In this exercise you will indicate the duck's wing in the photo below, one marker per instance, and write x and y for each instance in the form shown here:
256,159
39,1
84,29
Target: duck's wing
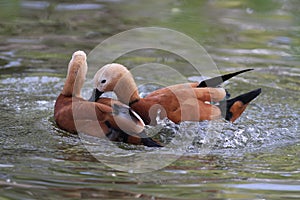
127,119
91,111
133,125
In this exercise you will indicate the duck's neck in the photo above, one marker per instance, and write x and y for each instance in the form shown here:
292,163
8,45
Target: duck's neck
126,89
74,82
71,88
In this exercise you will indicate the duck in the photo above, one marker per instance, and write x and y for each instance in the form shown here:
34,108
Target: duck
192,101
105,118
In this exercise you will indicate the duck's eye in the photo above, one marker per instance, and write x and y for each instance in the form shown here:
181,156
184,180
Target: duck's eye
103,81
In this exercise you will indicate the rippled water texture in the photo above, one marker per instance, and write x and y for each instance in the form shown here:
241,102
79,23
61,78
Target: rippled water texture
257,157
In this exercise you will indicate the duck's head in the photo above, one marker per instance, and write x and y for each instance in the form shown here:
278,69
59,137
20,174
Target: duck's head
117,78
108,76
76,75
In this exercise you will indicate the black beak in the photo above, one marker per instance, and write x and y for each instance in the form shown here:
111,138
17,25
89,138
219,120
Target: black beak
95,95
216,81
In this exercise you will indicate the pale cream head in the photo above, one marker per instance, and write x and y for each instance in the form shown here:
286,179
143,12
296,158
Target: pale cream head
117,78
108,76
76,75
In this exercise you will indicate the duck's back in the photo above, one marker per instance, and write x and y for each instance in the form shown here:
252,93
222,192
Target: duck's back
63,113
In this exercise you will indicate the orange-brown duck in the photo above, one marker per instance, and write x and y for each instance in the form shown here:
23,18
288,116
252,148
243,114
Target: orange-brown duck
107,117
181,102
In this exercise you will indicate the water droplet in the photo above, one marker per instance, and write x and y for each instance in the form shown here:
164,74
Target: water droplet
175,10
249,10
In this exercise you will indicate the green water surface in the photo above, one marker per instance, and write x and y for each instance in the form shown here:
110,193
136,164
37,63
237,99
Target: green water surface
257,157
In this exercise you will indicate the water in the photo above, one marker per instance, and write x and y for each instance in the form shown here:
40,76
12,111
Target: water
255,158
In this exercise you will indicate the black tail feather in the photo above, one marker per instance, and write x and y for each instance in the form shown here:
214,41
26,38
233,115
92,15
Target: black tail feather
216,81
244,98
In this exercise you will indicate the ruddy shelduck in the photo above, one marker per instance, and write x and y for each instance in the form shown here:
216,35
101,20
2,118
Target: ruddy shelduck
106,118
181,102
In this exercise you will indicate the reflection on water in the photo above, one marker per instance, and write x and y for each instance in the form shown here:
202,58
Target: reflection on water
255,158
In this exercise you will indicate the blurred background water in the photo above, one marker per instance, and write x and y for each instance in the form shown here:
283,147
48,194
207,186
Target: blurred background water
257,157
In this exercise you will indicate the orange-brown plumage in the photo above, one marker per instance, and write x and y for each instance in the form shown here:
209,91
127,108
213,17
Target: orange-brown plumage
182,102
177,105
107,117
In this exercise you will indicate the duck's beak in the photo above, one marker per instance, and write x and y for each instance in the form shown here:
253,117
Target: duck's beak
95,95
